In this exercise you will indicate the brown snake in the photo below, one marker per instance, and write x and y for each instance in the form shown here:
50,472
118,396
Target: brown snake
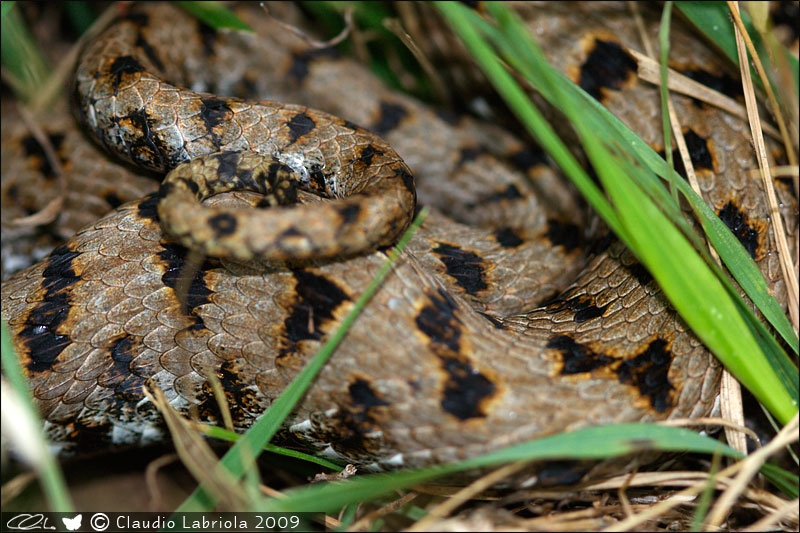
450,358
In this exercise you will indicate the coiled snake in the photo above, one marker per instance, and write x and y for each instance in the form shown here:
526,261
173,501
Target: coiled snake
450,358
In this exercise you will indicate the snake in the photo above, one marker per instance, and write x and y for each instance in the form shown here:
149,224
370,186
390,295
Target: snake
510,315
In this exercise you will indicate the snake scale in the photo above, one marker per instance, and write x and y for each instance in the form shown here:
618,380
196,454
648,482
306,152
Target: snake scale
508,317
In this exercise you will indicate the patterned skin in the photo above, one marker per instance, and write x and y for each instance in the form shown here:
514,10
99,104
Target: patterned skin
450,359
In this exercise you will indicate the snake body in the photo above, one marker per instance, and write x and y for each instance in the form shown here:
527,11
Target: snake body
450,359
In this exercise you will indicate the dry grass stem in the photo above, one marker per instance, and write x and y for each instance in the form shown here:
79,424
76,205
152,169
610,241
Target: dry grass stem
53,208
310,41
730,389
788,510
329,522
15,486
467,493
622,495
151,479
743,43
365,522
751,466
732,409
54,86
787,171
711,421
649,71
786,436
439,88
219,396
741,34
198,457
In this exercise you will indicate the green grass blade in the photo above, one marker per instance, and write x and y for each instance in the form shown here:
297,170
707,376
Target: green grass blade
268,424
5,7
519,102
786,482
713,20
522,54
591,443
52,479
80,15
744,358
689,283
231,436
21,55
663,39
215,15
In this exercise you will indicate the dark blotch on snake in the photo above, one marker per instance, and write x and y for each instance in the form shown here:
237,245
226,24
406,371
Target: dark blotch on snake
240,398
527,158
722,83
465,389
437,320
299,125
638,271
147,208
699,153
390,116
465,266
223,224
564,234
144,147
315,301
228,163
318,179
577,358
88,437
174,262
301,62
582,305
356,419
120,376
608,66
510,192
363,397
470,153
649,372
367,153
290,233
122,66
507,237
190,184
130,389
408,180
148,50
112,199
737,221
213,112
275,170
35,150
349,213
123,350
39,335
